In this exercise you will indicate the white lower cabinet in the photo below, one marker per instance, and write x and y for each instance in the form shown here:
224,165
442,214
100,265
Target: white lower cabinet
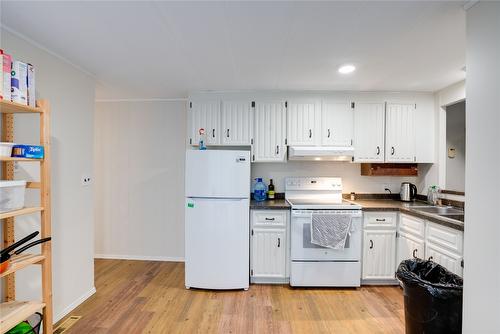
384,249
379,247
269,246
450,260
379,254
410,239
268,252
409,247
444,245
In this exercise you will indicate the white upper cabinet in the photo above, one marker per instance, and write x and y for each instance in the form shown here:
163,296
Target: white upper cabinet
400,133
237,122
337,123
269,131
206,115
369,123
303,119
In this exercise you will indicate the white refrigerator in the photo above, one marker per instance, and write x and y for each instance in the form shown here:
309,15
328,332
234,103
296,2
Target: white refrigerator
217,219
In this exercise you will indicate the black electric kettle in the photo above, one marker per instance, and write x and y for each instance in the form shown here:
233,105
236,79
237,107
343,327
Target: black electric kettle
408,192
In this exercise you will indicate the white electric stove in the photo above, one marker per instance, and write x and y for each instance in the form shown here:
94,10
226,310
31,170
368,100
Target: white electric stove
313,265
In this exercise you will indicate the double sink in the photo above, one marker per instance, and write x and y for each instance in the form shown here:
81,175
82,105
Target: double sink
443,211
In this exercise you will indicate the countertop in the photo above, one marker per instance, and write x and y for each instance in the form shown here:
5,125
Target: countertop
374,205
408,208
273,204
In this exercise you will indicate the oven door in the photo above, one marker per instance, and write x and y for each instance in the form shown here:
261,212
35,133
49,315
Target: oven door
303,250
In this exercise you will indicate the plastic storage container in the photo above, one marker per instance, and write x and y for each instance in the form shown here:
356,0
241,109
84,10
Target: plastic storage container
259,190
6,149
12,195
432,296
29,326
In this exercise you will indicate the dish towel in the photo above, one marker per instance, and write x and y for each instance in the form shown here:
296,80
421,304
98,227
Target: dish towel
330,231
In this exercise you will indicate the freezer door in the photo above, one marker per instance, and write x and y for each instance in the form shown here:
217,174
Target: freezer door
217,243
216,173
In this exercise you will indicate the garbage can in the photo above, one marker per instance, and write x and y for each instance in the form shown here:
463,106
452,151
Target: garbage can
432,297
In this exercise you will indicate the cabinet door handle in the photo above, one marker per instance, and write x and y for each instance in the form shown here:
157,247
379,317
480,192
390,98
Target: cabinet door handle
213,133
371,244
310,133
279,242
271,219
414,253
378,150
430,258
328,133
277,149
392,150
380,220
227,133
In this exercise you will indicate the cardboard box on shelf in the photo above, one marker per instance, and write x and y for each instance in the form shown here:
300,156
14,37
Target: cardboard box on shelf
19,82
31,86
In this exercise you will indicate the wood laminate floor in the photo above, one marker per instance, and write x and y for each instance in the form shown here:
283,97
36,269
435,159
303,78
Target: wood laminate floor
149,297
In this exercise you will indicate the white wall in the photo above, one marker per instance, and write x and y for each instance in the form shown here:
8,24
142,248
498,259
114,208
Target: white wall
139,163
482,228
349,172
455,138
71,95
445,97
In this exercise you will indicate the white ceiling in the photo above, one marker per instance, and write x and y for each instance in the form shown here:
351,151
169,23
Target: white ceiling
144,49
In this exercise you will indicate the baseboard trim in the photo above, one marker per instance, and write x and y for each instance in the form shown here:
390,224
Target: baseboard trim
74,305
139,257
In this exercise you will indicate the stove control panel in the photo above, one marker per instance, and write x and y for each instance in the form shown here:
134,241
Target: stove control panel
313,183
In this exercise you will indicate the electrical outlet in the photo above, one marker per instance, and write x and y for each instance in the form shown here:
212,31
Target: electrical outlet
86,180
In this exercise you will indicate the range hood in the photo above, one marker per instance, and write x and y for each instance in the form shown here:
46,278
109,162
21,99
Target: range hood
320,153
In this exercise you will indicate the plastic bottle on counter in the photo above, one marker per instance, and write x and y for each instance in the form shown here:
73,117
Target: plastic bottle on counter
259,192
202,143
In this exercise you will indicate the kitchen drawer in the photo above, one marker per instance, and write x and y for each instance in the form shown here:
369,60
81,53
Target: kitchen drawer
445,237
270,218
412,225
380,220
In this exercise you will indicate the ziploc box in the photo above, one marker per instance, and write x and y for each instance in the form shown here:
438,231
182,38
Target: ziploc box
19,82
6,63
28,151
31,86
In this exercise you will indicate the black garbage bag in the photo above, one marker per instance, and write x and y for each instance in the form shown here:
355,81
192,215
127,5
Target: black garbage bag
432,298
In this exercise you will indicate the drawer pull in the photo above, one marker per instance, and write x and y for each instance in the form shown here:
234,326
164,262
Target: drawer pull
380,220
270,219
414,255
430,258
371,244
279,242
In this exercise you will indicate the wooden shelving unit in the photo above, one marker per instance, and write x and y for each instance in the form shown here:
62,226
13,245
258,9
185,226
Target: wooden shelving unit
12,311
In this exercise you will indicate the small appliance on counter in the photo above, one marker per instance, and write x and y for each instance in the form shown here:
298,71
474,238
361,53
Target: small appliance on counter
408,192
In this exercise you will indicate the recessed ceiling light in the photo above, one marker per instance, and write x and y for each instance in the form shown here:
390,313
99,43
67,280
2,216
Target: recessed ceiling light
345,69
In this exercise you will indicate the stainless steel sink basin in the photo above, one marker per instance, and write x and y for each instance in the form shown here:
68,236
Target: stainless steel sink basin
441,210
